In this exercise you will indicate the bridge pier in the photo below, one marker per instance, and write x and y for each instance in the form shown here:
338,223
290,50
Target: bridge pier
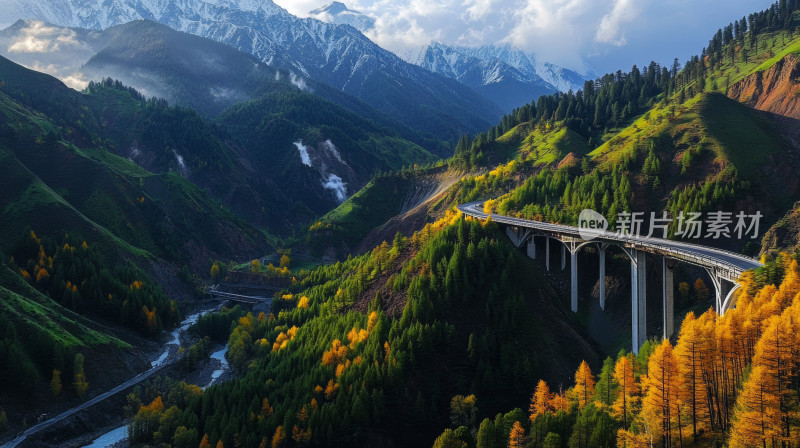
602,287
728,301
563,257
547,252
573,267
638,299
723,291
532,247
669,297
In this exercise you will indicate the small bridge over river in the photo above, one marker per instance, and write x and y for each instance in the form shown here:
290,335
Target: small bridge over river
259,302
724,267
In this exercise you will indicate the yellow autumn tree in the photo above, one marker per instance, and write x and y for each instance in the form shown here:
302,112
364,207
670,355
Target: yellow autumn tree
266,408
516,438
301,437
755,422
279,438
204,442
285,261
661,405
628,439
559,402
777,352
693,351
584,385
628,388
701,291
541,400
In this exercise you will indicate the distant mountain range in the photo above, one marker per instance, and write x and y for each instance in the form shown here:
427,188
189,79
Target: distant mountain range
337,55
507,76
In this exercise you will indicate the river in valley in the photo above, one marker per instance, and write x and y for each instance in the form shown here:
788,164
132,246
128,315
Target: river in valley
117,437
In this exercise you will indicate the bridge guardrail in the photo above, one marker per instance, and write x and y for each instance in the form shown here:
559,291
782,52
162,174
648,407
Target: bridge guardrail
689,254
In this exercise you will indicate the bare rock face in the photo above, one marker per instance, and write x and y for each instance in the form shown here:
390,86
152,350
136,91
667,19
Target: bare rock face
784,235
775,90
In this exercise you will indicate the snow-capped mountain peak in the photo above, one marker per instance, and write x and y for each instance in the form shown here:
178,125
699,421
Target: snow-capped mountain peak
339,13
506,75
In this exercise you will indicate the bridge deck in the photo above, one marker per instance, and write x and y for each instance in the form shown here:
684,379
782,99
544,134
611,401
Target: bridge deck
729,263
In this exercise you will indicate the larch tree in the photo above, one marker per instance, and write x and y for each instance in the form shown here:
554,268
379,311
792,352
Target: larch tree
516,438
661,407
776,351
541,400
541,403
583,392
690,351
755,418
701,291
279,438
628,388
627,439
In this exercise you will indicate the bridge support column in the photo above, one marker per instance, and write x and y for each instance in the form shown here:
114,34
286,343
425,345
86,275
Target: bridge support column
602,286
722,290
573,267
563,257
517,235
638,299
728,301
532,247
547,253
669,299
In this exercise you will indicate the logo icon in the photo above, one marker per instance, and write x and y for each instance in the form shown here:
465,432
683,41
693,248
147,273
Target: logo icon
591,224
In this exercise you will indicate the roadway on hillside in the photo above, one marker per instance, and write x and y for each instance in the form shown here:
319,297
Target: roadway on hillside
693,253
66,414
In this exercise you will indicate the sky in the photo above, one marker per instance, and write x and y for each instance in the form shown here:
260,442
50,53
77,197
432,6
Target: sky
604,35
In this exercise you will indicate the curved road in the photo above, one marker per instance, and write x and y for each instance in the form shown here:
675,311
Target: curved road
66,414
166,360
730,264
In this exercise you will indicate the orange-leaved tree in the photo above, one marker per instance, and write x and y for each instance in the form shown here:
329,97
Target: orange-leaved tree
541,400
583,392
692,350
661,405
628,388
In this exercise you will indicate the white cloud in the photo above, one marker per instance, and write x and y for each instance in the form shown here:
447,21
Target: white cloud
610,29
76,81
297,81
37,37
553,29
478,9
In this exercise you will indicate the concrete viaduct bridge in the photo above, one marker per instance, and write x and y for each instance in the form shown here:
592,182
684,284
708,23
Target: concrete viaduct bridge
723,267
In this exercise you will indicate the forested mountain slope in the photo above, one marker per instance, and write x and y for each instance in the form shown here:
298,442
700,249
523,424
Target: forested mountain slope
85,233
